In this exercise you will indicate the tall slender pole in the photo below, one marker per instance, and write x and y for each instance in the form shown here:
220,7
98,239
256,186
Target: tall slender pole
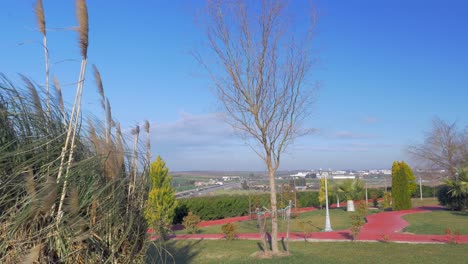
327,214
367,200
420,186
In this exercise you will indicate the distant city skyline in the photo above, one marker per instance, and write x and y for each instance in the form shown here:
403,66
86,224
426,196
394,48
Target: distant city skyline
386,69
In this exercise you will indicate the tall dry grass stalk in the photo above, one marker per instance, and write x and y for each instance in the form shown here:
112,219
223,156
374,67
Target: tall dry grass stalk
134,164
100,86
41,22
82,15
80,171
148,143
58,92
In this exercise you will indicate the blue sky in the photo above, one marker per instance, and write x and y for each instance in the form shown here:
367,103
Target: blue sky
387,68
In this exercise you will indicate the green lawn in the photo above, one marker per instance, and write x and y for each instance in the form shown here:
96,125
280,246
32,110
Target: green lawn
437,222
313,221
240,251
417,202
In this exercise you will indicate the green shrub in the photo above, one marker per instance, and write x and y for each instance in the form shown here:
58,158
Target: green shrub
311,199
387,200
229,230
446,199
225,206
427,191
358,219
403,185
191,222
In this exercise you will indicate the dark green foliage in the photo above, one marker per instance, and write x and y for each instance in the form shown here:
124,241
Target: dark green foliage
458,191
311,199
300,181
229,230
446,199
403,185
244,185
427,191
224,206
180,212
214,207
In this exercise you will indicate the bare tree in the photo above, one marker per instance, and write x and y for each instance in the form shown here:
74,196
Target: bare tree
444,147
259,74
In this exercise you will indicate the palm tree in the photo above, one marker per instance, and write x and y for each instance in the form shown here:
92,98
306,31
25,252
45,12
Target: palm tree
458,189
352,190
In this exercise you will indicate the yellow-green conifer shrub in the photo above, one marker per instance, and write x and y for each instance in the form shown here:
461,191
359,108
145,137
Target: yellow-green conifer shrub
161,204
403,185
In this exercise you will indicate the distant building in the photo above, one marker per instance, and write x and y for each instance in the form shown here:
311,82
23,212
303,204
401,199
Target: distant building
340,177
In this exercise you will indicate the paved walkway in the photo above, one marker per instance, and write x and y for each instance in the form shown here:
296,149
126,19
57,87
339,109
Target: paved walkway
385,226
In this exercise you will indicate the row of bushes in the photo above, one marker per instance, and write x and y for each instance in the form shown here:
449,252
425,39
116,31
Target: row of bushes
427,191
223,206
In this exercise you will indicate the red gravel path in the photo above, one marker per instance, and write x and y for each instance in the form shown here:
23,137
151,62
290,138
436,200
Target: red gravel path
385,226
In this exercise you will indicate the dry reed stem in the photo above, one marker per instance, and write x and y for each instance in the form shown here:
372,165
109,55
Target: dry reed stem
108,121
97,77
39,10
148,143
82,14
58,91
73,136
34,95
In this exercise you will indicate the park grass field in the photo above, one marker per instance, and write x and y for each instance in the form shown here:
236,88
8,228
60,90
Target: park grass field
313,221
417,202
437,222
241,251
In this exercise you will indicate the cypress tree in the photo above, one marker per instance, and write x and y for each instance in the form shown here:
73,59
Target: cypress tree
160,208
403,185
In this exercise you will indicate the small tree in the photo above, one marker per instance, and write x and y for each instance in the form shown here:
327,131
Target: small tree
229,231
403,185
454,193
352,190
191,222
161,204
259,68
444,147
358,219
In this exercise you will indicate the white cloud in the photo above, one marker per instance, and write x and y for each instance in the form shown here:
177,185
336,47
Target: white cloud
201,142
370,120
351,135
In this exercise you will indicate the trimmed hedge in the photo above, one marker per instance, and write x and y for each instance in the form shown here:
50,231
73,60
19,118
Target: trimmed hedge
224,206
427,191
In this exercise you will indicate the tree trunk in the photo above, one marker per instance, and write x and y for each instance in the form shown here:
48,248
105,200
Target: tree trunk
261,226
274,216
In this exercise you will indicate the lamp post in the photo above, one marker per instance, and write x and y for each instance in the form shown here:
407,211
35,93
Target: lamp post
420,186
367,199
327,214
